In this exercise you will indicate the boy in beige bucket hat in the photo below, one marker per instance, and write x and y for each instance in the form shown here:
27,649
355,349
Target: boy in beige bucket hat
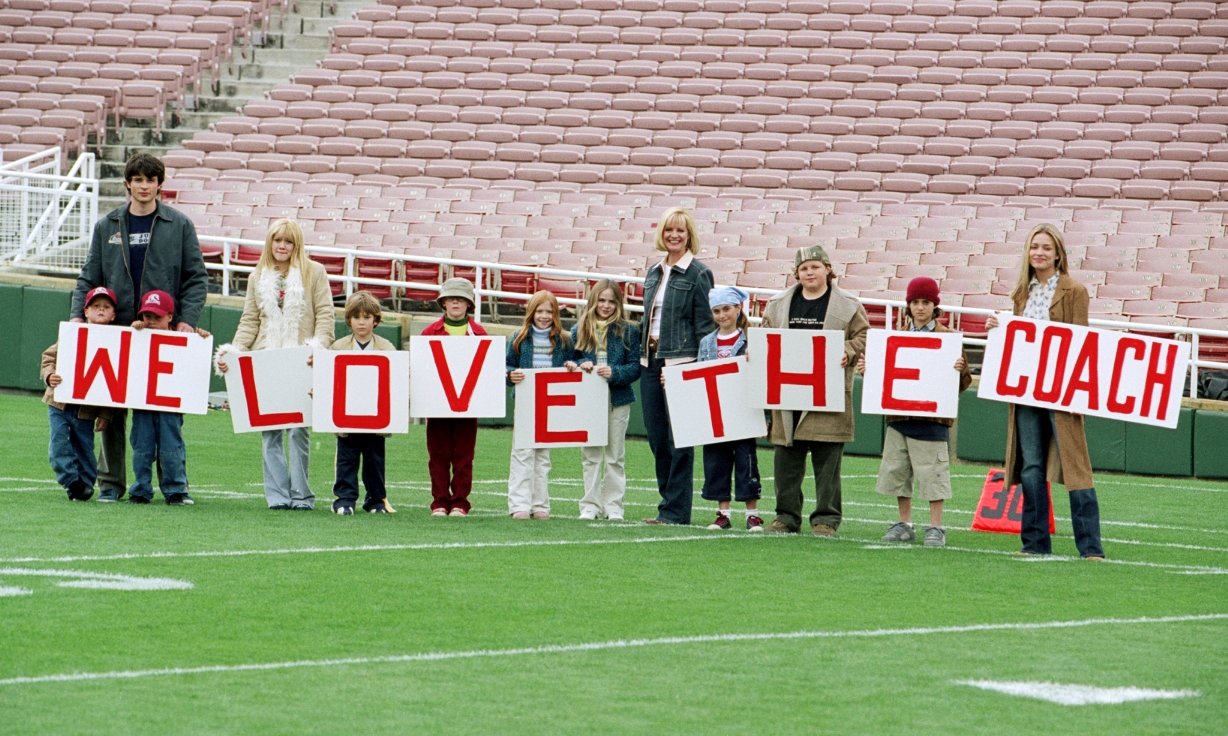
450,443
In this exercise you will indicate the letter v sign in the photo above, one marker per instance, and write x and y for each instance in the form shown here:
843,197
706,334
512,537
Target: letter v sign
459,402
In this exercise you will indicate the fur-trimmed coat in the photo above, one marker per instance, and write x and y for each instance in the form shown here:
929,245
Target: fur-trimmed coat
304,317
1069,462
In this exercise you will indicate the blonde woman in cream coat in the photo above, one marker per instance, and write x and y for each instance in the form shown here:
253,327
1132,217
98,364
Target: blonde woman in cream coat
289,303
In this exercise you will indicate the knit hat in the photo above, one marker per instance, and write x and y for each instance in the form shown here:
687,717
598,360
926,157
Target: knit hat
459,288
922,287
157,302
722,295
810,253
98,291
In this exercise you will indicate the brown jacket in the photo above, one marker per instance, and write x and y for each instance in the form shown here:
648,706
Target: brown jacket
844,313
965,380
1069,462
46,368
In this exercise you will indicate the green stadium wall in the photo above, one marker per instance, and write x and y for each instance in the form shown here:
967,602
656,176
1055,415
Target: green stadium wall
1194,448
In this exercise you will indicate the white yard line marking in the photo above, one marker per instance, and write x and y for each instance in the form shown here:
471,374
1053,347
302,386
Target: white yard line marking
98,580
381,548
1062,694
597,646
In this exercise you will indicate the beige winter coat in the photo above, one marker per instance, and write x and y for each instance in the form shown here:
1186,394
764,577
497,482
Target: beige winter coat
1068,462
306,312
844,313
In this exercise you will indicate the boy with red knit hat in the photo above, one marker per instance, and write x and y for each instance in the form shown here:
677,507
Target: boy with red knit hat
915,448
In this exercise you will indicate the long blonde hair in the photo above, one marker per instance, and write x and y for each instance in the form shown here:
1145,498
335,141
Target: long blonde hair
1020,292
290,230
586,330
671,214
558,338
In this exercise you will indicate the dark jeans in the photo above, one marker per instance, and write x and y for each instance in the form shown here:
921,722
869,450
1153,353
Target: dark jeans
790,468
1035,430
157,436
72,447
738,459
1034,427
369,449
674,465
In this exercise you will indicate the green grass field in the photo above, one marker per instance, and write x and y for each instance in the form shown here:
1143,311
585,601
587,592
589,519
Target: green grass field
256,622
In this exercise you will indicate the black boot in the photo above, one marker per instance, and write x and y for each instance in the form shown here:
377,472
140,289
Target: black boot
1085,521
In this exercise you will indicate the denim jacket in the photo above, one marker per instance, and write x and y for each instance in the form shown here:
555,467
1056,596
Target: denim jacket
523,358
686,315
623,357
707,346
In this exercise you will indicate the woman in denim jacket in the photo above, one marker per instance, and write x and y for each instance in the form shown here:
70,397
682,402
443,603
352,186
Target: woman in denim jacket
676,316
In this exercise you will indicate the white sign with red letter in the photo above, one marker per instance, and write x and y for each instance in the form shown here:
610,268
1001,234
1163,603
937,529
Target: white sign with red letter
796,369
269,389
1083,370
911,374
159,370
709,402
360,391
457,376
560,408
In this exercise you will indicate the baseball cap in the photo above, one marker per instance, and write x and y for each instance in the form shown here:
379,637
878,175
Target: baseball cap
157,302
98,291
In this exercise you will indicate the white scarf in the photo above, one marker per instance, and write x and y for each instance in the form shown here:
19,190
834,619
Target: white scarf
281,325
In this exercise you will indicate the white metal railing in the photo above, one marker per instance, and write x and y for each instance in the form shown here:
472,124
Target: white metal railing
46,217
487,293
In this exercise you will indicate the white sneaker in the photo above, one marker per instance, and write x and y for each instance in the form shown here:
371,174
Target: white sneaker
439,512
588,515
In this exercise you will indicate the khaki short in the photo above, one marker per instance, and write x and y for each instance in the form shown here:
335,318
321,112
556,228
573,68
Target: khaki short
905,460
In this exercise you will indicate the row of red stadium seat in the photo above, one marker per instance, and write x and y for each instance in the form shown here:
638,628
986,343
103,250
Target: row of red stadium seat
913,138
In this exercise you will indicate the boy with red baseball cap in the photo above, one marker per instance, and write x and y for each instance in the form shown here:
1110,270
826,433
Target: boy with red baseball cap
71,449
158,434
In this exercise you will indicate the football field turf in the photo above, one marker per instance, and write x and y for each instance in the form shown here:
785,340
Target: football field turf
227,618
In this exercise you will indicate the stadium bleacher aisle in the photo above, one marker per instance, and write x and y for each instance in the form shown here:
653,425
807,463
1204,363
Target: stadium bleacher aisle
918,137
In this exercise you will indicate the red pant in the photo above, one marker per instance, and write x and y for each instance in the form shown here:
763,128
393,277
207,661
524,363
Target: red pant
449,445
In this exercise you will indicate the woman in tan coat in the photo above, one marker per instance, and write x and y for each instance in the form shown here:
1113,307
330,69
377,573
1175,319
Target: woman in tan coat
1043,444
288,304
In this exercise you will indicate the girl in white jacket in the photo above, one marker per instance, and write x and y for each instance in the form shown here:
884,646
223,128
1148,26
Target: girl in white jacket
288,304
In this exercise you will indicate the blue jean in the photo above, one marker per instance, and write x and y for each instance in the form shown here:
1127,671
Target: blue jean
674,465
287,484
71,449
158,435
1034,428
